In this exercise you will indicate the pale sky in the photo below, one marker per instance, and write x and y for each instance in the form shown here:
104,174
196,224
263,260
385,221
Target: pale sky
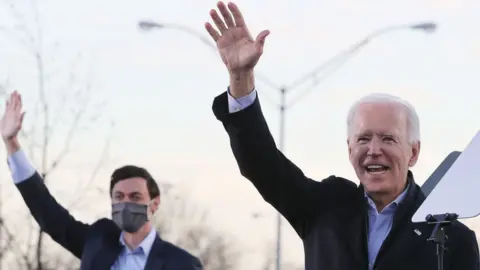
160,86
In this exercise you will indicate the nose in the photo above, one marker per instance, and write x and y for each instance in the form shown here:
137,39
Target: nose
374,148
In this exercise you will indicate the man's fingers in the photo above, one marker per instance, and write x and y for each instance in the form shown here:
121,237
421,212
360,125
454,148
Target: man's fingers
13,101
260,40
218,21
20,120
16,101
20,102
212,32
237,15
226,15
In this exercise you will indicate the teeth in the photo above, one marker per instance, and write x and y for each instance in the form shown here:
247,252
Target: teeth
374,166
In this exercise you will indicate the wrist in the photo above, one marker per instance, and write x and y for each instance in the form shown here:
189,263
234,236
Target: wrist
241,82
241,73
12,145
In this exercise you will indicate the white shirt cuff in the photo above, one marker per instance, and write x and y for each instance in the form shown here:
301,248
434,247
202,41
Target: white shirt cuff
238,104
20,167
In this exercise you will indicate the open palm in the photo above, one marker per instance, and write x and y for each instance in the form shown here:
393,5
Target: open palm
239,51
12,119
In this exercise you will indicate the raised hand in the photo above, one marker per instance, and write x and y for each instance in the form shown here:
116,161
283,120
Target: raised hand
239,51
12,119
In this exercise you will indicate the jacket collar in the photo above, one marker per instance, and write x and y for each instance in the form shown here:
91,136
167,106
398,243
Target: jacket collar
408,195
113,247
400,236
146,245
156,257
356,221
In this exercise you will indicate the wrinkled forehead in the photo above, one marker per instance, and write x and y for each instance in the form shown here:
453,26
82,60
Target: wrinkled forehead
380,118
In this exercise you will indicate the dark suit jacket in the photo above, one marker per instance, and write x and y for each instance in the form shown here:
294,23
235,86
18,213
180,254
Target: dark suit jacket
331,216
97,245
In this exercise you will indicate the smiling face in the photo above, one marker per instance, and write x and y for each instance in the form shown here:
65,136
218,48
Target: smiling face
380,151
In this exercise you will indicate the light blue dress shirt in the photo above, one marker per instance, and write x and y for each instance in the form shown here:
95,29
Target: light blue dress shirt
21,170
135,259
380,224
235,105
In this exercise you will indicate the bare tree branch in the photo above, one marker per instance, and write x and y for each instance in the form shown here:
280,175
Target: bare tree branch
269,261
98,166
185,224
47,121
15,246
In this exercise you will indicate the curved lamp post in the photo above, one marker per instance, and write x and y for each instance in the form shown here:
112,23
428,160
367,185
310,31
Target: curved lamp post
330,66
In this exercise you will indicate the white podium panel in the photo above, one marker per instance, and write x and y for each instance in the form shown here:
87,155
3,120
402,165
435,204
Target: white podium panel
439,172
458,191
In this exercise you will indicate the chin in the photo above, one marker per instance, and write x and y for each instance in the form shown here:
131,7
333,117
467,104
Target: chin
375,183
376,189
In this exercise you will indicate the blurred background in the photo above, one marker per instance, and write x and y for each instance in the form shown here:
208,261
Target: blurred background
109,83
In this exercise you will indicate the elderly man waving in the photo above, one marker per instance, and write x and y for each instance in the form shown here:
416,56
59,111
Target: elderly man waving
343,227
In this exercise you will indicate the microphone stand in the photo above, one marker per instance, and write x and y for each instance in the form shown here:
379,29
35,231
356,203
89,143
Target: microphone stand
439,236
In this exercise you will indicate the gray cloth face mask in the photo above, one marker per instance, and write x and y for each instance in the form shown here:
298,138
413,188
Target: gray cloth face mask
129,217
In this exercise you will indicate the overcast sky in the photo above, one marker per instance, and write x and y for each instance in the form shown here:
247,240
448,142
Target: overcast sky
159,88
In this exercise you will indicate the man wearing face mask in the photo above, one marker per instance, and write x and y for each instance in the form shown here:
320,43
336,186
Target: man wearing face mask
127,242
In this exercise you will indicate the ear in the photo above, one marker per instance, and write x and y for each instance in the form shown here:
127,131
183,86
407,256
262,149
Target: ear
415,154
155,204
349,150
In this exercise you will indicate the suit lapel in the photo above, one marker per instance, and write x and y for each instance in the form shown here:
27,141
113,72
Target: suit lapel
106,257
404,237
404,244
155,259
111,249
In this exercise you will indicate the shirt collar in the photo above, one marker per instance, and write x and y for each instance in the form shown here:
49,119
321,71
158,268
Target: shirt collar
395,202
145,245
400,198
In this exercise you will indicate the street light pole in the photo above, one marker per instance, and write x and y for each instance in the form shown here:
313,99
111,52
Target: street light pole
281,147
151,25
337,61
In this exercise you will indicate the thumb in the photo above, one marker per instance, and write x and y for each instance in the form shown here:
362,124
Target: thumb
260,40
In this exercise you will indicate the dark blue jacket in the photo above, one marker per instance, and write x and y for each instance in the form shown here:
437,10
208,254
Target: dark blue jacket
97,245
330,216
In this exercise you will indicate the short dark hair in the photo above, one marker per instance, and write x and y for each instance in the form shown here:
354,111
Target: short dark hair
130,171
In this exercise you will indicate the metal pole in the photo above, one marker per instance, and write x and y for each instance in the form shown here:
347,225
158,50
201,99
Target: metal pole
281,140
344,56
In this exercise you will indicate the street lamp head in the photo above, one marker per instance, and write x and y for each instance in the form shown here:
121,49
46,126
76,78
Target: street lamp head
148,25
427,27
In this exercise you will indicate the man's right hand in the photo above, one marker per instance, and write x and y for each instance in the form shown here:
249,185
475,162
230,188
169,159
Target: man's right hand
239,51
11,122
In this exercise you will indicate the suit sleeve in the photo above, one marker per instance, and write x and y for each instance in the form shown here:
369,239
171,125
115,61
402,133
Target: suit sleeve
197,265
52,218
280,182
465,254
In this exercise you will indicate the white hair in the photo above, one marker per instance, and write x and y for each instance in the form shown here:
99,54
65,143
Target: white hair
412,117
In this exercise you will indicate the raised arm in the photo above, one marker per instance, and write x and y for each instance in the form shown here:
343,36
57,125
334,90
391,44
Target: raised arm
49,214
281,183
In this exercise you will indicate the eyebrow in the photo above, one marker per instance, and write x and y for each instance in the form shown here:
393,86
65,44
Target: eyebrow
129,194
370,133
